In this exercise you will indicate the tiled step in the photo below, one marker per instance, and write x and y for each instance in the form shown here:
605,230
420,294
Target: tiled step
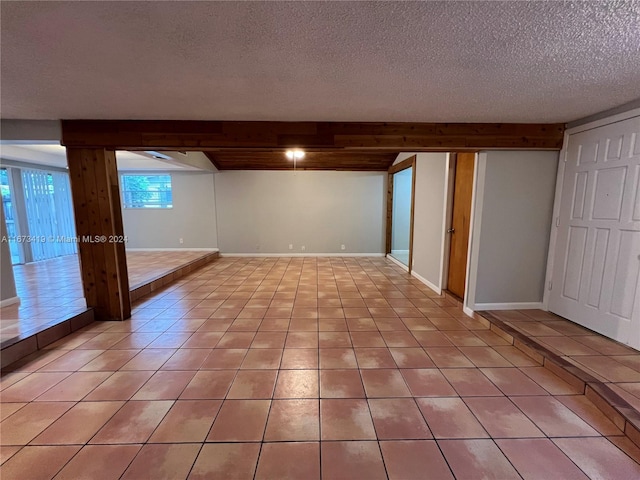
149,286
16,348
618,410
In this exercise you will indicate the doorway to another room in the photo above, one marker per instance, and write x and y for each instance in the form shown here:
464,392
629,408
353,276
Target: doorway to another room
400,212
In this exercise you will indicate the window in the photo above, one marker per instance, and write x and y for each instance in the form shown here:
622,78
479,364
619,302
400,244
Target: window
146,191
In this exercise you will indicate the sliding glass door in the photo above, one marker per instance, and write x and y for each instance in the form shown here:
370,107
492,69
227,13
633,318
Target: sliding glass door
49,211
11,216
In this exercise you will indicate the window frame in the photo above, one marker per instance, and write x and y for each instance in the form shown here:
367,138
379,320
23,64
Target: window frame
146,206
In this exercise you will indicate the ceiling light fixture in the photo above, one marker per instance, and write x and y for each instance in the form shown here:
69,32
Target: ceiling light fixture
295,154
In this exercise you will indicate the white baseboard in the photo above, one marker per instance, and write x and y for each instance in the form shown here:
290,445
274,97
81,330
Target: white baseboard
467,311
509,306
427,283
9,301
212,250
398,263
298,255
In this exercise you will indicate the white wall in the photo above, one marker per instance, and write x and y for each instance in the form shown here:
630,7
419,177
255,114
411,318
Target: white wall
512,221
192,218
429,217
192,159
265,211
401,216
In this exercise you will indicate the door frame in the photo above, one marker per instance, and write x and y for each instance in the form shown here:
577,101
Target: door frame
393,169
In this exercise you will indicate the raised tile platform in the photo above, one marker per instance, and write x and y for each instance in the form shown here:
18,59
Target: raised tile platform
598,389
149,285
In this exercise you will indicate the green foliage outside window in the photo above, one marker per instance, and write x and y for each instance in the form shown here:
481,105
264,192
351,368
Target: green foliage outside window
147,191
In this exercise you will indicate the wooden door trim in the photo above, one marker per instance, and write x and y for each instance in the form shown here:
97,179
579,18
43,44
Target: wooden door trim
403,165
389,213
413,204
398,167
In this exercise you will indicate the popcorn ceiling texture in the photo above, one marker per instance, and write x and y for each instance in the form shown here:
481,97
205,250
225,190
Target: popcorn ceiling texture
342,61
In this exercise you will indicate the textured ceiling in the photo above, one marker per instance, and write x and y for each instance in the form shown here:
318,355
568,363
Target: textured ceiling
343,61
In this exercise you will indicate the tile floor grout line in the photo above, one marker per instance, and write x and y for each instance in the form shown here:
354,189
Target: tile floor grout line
195,458
319,384
509,460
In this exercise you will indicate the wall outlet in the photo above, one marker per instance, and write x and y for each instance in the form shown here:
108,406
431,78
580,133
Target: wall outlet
303,248
342,247
182,240
291,246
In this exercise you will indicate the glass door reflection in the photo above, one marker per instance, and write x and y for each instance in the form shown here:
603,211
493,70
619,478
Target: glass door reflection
401,215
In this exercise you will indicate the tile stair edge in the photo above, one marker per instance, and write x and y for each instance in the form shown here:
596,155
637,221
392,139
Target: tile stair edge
614,407
141,290
12,352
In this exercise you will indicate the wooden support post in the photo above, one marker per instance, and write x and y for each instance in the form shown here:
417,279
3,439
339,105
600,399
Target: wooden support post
98,216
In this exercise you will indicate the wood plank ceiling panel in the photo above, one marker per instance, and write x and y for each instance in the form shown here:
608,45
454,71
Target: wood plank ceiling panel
313,160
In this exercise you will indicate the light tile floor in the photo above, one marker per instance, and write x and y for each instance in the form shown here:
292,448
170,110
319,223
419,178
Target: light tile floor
51,291
305,368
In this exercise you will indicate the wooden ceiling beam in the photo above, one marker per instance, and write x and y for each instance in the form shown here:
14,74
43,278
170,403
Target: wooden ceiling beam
330,136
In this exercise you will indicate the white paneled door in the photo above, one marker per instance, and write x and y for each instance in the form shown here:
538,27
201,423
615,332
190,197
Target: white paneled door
596,263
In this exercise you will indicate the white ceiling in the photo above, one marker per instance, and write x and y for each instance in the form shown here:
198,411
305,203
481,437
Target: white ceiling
55,156
517,61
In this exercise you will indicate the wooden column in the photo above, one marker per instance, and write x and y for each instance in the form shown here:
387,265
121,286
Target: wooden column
98,216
